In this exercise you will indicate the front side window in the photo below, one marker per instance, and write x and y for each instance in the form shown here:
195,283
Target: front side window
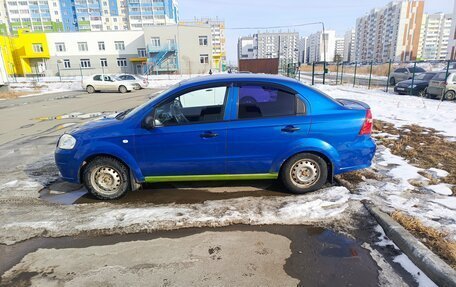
97,78
262,101
199,106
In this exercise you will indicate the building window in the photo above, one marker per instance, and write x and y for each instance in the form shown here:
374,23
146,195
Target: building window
66,63
203,40
103,62
121,62
85,63
155,41
204,59
60,47
101,46
82,46
142,52
37,48
120,45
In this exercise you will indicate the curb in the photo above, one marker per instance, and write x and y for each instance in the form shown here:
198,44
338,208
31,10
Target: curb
434,267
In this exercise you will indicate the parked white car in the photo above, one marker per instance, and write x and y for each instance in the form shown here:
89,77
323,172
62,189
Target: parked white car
142,81
100,82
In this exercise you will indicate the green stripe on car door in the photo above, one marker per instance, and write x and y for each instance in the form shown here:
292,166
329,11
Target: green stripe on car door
203,177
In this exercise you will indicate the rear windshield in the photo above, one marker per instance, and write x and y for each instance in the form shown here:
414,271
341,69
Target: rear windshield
417,70
440,77
425,76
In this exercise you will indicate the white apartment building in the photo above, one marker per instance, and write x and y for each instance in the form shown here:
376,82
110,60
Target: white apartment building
390,33
435,33
349,46
451,54
302,47
247,48
218,39
322,45
339,50
282,45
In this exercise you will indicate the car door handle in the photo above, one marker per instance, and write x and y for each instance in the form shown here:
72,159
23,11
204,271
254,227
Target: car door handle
208,135
290,129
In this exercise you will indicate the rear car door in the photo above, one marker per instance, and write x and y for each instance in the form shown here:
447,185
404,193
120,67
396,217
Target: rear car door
189,137
267,119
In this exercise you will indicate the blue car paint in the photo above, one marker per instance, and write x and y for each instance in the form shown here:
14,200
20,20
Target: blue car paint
242,146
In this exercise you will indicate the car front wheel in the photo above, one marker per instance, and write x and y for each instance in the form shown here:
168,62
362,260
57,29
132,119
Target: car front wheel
123,89
304,172
90,89
106,178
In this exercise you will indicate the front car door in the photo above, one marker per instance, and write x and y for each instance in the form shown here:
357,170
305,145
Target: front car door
189,136
268,120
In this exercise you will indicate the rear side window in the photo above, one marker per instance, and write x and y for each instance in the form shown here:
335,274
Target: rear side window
262,101
440,77
97,78
400,70
417,70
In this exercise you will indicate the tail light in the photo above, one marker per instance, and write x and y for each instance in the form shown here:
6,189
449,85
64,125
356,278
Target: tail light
368,124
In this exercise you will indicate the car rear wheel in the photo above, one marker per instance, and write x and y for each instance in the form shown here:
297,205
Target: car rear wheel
450,96
106,178
304,172
392,81
123,89
90,89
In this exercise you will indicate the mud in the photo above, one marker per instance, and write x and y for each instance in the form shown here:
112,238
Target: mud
317,257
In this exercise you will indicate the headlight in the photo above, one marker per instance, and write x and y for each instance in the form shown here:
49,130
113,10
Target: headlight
412,87
66,141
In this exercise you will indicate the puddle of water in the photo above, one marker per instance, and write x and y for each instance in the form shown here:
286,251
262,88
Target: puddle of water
320,257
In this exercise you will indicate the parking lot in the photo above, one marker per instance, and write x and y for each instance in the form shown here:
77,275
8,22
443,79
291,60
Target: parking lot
211,233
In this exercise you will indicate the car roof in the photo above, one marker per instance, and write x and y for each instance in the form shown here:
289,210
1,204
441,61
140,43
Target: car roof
238,77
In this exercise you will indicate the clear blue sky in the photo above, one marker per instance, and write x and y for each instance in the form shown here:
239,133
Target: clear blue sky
339,15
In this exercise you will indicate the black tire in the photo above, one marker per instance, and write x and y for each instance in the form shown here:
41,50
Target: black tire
114,170
123,89
450,95
313,164
422,93
392,81
90,89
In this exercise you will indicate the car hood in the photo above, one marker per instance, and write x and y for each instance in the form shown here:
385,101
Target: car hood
409,82
94,125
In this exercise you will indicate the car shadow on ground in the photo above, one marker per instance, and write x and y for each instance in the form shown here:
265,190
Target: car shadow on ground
166,193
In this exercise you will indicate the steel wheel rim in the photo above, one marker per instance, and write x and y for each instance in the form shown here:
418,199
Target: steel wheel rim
106,180
304,173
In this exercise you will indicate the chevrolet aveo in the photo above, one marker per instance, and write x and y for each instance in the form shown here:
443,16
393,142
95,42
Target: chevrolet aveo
227,127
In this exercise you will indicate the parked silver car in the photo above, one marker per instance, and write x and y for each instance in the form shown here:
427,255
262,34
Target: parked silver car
402,74
100,82
443,85
142,81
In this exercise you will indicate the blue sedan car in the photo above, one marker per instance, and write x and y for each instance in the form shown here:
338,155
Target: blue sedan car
224,127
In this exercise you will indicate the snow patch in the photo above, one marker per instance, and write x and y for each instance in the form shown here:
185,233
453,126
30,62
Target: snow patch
441,188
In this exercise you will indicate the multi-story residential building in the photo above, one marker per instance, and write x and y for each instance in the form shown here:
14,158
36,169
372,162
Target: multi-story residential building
88,15
146,13
302,47
451,54
218,40
34,15
339,49
322,46
247,48
390,33
349,46
4,27
282,45
435,33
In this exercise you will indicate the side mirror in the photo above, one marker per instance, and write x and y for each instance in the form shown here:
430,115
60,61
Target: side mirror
148,122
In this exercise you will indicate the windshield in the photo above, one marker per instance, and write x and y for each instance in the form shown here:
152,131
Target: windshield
131,112
426,76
